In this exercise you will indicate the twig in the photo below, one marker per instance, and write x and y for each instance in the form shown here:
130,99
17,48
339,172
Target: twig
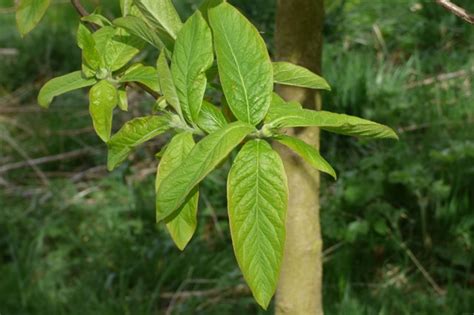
457,10
83,12
423,271
43,160
440,78
28,162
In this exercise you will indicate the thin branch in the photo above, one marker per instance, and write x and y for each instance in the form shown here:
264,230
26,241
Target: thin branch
83,12
457,10
47,159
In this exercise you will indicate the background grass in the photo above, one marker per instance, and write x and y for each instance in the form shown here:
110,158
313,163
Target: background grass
398,225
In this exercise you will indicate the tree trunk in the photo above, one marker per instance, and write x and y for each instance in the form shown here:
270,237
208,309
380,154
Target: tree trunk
299,26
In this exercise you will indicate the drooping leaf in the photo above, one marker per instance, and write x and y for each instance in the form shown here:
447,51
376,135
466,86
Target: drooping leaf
145,75
137,27
29,13
61,85
204,157
167,84
257,194
182,224
162,14
122,98
211,118
245,68
290,74
97,19
102,100
308,153
192,56
132,134
281,117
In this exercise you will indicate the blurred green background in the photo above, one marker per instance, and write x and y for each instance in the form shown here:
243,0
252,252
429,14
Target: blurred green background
398,225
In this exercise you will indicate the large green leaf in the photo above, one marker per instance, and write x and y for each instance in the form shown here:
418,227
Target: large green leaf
103,98
211,118
167,84
132,134
308,153
134,25
162,14
245,68
204,157
29,13
257,195
281,117
61,85
192,56
182,224
290,74
145,75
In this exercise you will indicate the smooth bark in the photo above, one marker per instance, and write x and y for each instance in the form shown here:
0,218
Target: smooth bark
299,40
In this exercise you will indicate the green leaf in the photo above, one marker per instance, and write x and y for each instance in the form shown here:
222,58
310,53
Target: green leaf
122,98
97,19
204,157
126,7
245,67
211,118
102,100
192,56
290,74
280,117
91,60
167,84
162,14
308,153
207,5
61,85
29,13
257,194
120,49
145,75
182,224
132,134
137,27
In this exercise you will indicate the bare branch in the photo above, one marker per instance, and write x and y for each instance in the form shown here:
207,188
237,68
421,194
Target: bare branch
457,10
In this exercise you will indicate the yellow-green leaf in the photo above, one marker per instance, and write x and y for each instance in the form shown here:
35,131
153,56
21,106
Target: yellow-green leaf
182,224
29,13
132,134
192,56
63,84
290,74
245,68
308,153
281,117
203,158
211,118
102,100
145,75
257,196
167,84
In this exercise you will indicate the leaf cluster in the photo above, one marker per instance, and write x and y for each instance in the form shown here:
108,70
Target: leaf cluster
216,48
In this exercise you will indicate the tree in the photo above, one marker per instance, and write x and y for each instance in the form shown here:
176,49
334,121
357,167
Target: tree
217,49
298,40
